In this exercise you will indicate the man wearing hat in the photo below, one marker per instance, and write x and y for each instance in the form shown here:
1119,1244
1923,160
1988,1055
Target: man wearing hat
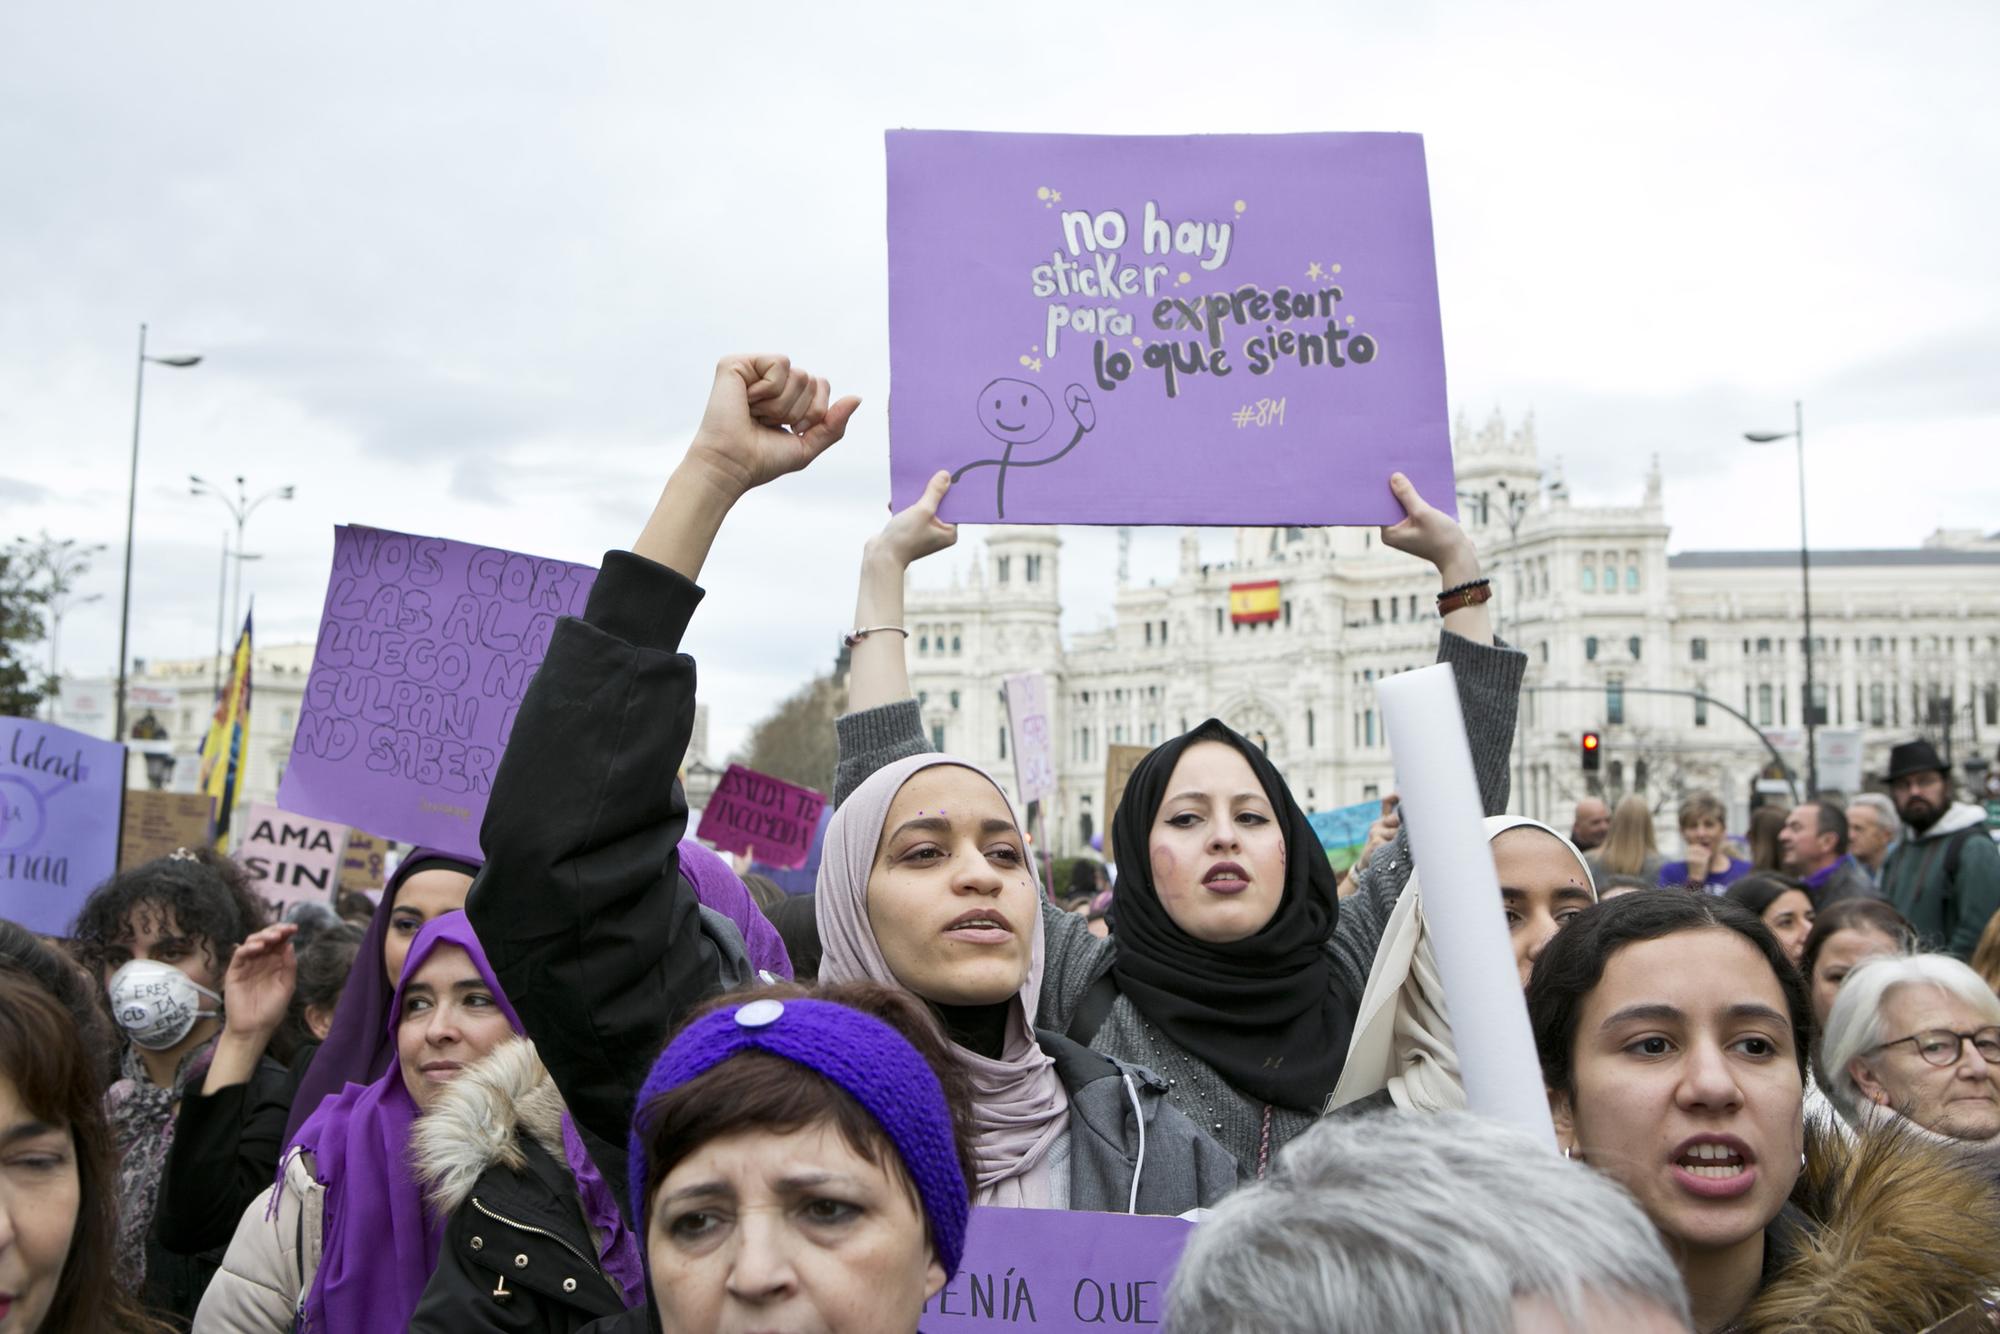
1945,876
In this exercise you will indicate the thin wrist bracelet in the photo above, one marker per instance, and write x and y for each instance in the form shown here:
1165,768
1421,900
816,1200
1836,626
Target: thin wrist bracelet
851,640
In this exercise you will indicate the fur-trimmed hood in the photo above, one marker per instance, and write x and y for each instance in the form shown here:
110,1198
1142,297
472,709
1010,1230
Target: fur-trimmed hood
478,1121
1902,1232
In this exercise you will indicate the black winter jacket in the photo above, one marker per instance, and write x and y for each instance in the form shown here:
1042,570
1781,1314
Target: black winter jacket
224,1155
517,1254
595,936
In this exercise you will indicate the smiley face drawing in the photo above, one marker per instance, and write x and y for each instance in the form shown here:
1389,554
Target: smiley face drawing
1015,412
1018,413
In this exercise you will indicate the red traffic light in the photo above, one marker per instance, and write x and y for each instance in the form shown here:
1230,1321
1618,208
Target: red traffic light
1593,754
1590,741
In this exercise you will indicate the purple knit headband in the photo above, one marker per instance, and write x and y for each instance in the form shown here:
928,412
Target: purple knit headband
861,1054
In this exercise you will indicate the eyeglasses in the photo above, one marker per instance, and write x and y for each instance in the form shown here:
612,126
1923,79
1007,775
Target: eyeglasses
1941,1046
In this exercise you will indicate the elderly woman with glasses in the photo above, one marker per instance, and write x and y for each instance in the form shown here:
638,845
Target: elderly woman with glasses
1917,1039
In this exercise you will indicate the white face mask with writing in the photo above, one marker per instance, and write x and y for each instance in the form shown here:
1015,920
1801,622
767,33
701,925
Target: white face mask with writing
156,1003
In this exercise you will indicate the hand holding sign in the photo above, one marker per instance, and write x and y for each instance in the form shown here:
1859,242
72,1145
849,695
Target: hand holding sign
765,418
916,531
1430,533
877,670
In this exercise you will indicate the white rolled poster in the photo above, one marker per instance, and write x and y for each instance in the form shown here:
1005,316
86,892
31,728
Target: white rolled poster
1442,811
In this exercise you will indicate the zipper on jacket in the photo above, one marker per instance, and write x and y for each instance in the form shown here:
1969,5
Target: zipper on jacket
544,1232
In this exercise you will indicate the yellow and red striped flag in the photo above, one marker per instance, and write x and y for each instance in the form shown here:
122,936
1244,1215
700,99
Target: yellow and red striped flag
1251,603
225,752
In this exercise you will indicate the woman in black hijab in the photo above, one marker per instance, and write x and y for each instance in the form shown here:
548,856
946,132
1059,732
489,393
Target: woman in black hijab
1232,970
1228,955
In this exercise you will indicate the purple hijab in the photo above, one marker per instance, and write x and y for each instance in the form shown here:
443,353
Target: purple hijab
718,887
380,1242
361,1044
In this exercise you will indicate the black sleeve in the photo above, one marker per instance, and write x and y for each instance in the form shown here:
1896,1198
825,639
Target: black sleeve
224,1155
581,907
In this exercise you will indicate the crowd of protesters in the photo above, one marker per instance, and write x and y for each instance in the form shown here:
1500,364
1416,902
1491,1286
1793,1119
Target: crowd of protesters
598,1080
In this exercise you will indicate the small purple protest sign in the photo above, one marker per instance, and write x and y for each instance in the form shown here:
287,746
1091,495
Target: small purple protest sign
426,647
1213,329
61,795
1028,721
1058,1269
772,820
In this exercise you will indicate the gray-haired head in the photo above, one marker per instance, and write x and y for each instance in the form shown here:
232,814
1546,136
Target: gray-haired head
1880,808
1856,1024
1399,1224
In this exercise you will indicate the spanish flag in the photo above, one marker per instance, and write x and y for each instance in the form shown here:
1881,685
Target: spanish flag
225,751
1251,603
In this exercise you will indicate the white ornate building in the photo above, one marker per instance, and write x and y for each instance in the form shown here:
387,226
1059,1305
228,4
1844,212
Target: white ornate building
1903,639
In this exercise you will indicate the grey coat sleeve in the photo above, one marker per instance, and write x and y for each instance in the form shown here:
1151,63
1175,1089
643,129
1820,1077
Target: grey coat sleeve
1072,958
875,737
1489,692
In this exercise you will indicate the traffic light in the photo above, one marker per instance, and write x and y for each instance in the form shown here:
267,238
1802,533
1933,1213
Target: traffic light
1593,752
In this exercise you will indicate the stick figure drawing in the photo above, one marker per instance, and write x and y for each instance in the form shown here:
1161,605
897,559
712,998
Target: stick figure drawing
1017,413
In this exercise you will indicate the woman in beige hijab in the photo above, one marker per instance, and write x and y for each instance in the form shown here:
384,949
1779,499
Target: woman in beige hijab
1402,1053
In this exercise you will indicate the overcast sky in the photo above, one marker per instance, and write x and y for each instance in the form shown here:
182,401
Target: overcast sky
464,268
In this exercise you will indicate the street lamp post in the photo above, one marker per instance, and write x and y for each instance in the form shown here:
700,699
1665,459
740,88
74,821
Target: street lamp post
240,509
1797,435
131,514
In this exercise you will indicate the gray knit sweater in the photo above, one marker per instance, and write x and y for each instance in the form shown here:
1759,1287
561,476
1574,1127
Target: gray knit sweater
1489,691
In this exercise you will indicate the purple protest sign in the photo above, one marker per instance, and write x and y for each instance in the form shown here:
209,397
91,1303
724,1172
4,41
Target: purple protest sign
1059,1269
426,647
61,794
1213,329
1028,721
767,817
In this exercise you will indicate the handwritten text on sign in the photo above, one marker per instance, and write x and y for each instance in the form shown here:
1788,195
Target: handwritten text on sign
363,864
1081,326
291,858
1058,1269
59,805
764,816
426,647
1028,720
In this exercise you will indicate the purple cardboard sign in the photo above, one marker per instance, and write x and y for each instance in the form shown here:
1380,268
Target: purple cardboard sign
1209,329
772,820
61,796
426,647
1058,1269
1034,747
